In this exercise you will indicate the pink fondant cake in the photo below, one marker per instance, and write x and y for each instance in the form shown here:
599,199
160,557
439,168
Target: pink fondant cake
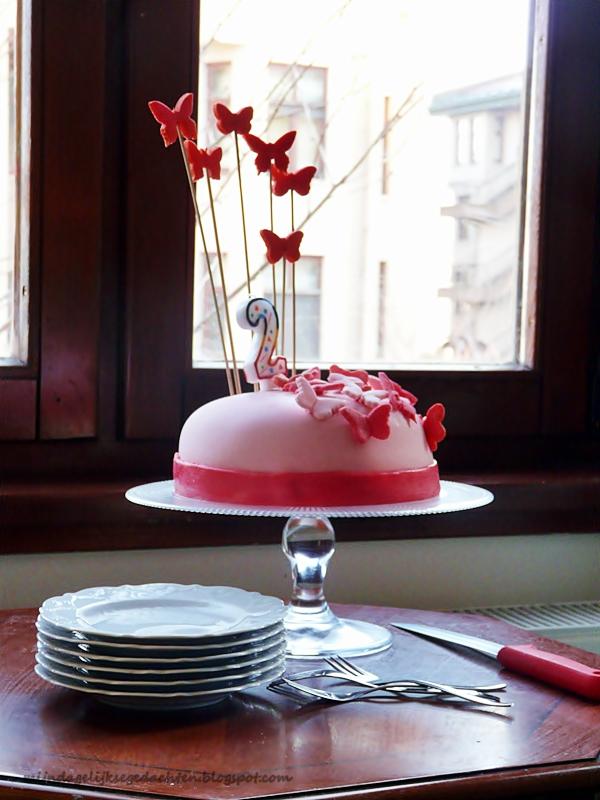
352,439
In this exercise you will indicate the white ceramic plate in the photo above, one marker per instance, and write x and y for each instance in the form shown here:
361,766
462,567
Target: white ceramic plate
118,671
223,644
163,610
139,700
452,497
126,683
136,657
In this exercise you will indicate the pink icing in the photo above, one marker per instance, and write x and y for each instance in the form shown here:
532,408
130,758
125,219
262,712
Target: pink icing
269,431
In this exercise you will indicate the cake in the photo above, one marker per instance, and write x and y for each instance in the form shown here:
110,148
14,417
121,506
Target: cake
347,439
350,439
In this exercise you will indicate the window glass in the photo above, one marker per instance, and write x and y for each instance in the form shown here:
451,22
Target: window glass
13,172
432,90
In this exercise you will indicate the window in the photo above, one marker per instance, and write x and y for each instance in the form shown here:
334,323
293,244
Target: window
297,102
218,90
498,140
14,160
110,374
308,310
207,340
352,90
381,316
385,150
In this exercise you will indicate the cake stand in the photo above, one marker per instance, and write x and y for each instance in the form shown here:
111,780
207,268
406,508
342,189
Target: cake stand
313,630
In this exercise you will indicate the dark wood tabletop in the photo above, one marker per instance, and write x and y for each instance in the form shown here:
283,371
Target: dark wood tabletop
56,742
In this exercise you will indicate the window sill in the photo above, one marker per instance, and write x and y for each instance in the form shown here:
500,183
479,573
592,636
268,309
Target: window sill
66,517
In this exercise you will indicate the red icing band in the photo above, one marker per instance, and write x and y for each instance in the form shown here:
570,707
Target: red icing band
304,488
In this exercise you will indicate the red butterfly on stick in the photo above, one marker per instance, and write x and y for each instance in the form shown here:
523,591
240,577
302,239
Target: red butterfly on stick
432,425
278,248
267,152
376,424
298,181
176,119
228,122
200,160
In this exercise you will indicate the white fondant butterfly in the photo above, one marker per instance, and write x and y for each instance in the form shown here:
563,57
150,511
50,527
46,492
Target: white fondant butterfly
319,407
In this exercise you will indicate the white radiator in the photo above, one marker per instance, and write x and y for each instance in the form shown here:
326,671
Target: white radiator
577,624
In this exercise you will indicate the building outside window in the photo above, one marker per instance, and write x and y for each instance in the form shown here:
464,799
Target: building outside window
298,102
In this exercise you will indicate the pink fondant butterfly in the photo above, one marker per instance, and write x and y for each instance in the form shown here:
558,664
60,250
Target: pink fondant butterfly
376,424
278,248
176,119
230,122
298,181
200,160
271,152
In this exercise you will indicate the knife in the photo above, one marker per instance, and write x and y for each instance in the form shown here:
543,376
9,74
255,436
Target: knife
523,658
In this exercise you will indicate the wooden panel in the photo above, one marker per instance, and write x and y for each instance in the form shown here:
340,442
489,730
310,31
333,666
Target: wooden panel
569,212
58,516
260,744
163,44
73,124
18,400
478,402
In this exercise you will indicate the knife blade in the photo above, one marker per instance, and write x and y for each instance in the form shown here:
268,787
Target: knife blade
526,659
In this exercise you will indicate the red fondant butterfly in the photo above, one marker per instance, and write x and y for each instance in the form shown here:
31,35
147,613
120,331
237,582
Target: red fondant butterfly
432,425
278,248
298,181
364,426
267,152
200,160
230,122
360,374
176,119
394,388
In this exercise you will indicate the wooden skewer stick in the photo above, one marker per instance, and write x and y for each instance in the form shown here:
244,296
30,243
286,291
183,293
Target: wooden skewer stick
237,153
283,304
272,265
293,296
228,375
236,375
248,279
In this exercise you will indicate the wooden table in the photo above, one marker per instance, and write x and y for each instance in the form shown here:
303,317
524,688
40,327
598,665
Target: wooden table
57,743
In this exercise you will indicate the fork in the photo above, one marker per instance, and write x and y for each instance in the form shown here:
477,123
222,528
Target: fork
303,697
401,684
366,678
347,697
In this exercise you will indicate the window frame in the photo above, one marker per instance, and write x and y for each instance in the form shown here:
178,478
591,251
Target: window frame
130,355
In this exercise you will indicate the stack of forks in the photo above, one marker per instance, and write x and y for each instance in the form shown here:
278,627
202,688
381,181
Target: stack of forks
340,668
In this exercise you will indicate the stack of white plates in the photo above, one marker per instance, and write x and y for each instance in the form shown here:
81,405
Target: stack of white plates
160,645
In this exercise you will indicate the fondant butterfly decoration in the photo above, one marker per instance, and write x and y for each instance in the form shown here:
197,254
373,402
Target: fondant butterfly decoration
278,248
319,407
395,389
375,424
230,122
298,181
200,160
271,152
359,376
432,425
176,119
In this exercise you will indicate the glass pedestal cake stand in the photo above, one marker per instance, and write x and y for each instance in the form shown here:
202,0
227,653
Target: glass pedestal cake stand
313,630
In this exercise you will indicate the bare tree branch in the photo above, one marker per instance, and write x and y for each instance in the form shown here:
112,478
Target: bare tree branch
295,69
411,101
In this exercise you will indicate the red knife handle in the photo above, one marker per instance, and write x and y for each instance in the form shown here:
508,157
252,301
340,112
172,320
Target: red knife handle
550,668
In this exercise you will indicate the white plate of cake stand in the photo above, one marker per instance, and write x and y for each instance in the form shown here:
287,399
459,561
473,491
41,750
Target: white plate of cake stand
313,630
